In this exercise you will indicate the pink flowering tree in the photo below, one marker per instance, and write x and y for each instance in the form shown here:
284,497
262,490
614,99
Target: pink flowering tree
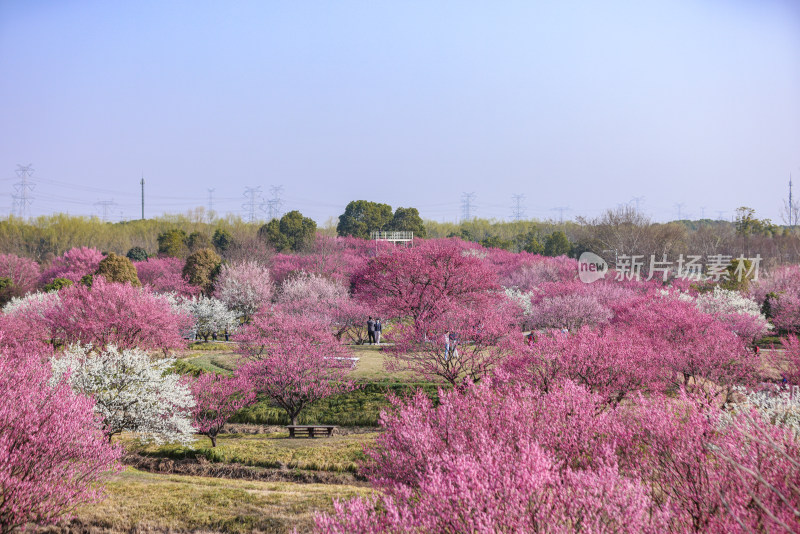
244,288
73,265
165,275
116,314
217,399
612,363
715,472
454,345
497,460
292,360
423,281
788,360
571,311
24,274
349,321
311,294
695,349
53,456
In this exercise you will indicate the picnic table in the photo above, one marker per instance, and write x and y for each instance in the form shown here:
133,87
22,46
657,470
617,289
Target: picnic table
310,430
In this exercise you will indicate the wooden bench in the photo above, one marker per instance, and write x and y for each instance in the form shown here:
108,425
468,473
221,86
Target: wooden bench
310,430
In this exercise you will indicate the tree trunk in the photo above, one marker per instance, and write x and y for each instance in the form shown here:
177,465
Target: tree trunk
213,438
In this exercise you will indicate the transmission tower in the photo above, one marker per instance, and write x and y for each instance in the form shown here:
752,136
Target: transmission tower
636,201
517,211
467,206
22,191
105,205
253,204
679,207
560,210
275,202
211,204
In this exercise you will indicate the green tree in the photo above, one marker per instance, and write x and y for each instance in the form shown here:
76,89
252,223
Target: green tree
136,254
530,242
115,268
201,268
748,224
58,284
361,217
407,220
197,240
557,244
173,243
291,232
494,241
6,285
222,239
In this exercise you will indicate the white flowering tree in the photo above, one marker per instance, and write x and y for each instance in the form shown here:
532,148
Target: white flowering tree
741,313
32,303
132,392
244,288
211,316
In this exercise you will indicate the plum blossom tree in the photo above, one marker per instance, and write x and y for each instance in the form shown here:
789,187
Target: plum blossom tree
696,350
293,360
454,345
572,311
741,313
24,274
425,280
52,455
211,316
312,294
244,287
612,363
217,398
165,275
489,460
131,391
115,314
73,265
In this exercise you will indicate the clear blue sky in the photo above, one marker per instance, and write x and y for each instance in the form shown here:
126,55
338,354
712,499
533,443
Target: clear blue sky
584,105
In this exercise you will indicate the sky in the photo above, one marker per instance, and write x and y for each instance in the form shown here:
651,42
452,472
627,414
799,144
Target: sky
685,108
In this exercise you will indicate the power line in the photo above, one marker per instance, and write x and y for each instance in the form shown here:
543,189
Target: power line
517,211
467,206
275,202
560,210
254,204
105,205
22,191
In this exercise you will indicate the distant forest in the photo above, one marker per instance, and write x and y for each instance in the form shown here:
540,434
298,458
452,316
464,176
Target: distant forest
622,231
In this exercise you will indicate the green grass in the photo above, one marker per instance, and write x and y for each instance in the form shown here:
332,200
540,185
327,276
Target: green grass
356,408
210,346
336,453
139,501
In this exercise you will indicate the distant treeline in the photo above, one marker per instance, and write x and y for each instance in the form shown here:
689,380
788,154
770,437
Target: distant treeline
617,232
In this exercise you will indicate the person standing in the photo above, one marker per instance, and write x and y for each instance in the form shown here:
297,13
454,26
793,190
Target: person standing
378,329
371,330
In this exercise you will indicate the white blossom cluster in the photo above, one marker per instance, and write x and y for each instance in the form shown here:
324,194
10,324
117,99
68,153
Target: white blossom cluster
777,407
211,315
725,301
32,301
132,392
522,298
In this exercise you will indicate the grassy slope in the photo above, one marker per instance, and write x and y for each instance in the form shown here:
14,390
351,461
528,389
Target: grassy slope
145,501
337,453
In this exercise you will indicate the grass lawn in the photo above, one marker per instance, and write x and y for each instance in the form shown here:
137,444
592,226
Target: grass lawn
336,453
140,501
